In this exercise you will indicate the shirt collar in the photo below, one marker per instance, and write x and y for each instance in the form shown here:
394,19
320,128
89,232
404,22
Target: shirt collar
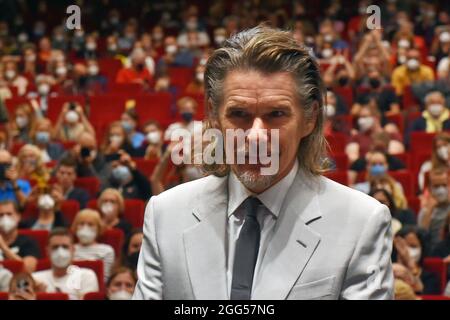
272,198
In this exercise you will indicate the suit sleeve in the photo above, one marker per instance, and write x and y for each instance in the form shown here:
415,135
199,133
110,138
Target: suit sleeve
369,274
149,285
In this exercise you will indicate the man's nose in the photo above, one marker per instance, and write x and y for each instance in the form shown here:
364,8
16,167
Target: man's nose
256,132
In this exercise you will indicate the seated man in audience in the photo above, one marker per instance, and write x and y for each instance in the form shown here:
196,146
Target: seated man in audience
14,246
11,187
90,162
128,179
435,205
42,138
380,142
64,188
63,276
435,117
137,72
22,287
412,72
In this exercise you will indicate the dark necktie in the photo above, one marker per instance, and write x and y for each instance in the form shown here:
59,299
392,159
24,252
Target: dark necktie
246,253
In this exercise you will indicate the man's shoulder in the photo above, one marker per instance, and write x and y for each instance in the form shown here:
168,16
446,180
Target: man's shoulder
345,200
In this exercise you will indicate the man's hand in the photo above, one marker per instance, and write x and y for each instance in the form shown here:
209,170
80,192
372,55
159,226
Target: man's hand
125,159
428,202
57,194
3,244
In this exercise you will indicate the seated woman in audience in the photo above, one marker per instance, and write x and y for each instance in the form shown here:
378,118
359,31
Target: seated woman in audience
120,285
72,122
404,216
131,249
186,109
31,167
42,137
409,250
130,123
439,157
196,86
22,123
22,287
333,111
116,139
112,206
49,216
154,142
88,227
378,177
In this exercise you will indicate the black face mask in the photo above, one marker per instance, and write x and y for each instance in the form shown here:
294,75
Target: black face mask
374,83
132,260
140,67
3,168
343,81
187,116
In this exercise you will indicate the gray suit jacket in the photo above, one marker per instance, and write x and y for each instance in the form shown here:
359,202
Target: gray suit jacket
329,242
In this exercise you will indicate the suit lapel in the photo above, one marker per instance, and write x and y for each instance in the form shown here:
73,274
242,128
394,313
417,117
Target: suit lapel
293,242
205,243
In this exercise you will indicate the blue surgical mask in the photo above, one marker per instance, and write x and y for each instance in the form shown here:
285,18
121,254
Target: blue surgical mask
42,137
121,173
127,126
377,170
187,116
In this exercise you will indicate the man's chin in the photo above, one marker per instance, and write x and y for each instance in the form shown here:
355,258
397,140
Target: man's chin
250,176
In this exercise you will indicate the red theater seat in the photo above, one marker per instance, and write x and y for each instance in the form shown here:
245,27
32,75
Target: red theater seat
340,160
421,142
94,296
4,295
40,236
180,76
52,296
12,265
115,238
434,297
145,166
414,204
346,94
337,141
439,268
55,105
90,184
405,178
69,208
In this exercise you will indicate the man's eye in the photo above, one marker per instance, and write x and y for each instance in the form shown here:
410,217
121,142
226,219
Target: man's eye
238,114
277,114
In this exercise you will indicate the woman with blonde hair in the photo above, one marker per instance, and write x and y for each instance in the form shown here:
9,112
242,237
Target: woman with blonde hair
112,206
22,123
88,227
31,167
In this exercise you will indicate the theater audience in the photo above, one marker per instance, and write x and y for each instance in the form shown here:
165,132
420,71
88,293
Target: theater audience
72,122
31,167
12,188
22,287
63,276
49,214
14,246
435,117
22,123
43,139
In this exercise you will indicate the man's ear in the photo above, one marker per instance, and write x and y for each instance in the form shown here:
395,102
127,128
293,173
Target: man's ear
310,124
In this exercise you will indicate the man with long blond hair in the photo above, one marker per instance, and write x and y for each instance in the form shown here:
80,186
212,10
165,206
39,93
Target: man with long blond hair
245,232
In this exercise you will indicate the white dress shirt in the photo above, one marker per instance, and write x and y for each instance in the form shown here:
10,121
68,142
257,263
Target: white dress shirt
272,200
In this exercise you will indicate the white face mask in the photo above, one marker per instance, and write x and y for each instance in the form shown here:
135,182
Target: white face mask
10,74
403,43
91,46
440,193
7,224
21,121
43,89
93,70
154,137
200,76
116,140
444,37
107,208
412,64
46,202
435,109
61,257
72,116
330,110
401,59
365,123
61,71
442,152
120,295
327,53
86,235
219,39
171,49
415,253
